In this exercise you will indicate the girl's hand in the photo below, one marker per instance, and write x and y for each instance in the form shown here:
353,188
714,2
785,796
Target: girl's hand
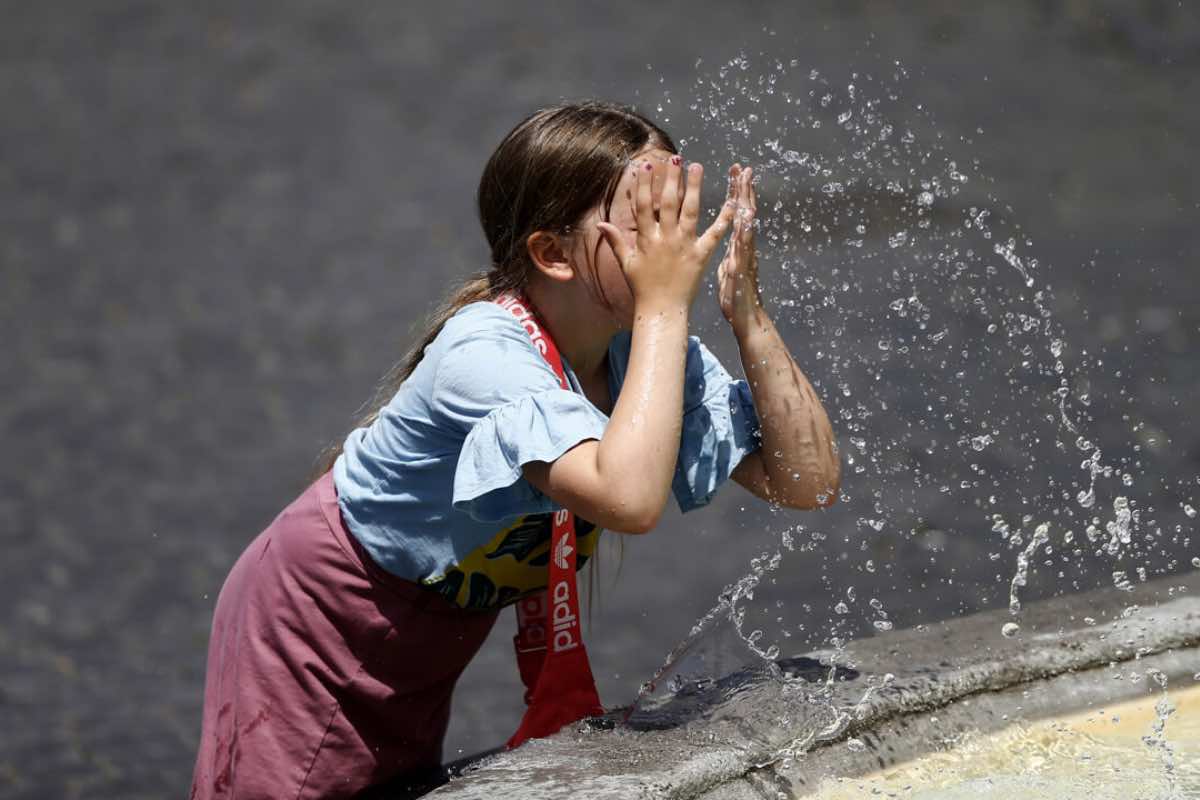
667,261
737,275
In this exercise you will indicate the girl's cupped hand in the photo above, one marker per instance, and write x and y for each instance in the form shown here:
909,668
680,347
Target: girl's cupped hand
668,257
737,276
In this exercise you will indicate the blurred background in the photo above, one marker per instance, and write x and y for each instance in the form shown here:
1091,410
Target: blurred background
223,222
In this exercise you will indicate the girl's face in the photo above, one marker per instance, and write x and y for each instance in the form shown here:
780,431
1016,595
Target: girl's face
592,247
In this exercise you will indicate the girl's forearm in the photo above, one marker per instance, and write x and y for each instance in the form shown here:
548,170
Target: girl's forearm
799,451
640,447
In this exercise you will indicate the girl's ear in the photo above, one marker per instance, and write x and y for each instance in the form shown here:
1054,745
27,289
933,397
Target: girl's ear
548,256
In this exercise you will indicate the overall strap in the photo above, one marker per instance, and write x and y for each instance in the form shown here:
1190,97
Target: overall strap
559,687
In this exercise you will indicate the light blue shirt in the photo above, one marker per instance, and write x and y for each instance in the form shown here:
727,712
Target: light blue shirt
435,476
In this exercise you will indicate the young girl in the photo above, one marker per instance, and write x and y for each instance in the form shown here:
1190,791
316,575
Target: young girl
558,391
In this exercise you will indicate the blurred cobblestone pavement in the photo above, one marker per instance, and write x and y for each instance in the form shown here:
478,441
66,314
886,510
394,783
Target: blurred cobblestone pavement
219,223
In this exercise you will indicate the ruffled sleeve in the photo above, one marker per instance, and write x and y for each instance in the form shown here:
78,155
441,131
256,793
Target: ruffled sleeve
718,433
539,427
498,393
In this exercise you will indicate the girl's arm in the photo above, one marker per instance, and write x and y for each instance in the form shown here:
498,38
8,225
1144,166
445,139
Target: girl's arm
798,464
622,482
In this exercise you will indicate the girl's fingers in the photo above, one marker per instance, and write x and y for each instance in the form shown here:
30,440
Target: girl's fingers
690,210
712,237
643,199
731,194
747,207
735,247
668,213
737,187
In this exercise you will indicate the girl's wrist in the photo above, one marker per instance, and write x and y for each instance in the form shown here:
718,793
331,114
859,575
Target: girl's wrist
752,323
660,307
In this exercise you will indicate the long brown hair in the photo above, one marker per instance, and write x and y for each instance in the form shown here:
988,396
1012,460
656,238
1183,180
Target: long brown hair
547,173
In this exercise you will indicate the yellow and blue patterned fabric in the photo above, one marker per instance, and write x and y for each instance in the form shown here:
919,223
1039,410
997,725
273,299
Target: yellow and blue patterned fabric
433,487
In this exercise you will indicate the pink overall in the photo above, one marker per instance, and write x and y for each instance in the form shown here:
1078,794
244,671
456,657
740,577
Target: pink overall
326,675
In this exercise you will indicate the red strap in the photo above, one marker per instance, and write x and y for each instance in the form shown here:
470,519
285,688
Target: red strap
559,687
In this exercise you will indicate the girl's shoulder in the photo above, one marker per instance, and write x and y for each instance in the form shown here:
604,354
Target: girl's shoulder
482,341
480,325
482,316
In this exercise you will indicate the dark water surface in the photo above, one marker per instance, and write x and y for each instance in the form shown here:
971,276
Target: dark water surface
219,228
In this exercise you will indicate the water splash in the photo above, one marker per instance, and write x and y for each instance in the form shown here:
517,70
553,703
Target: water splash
726,608
1020,577
935,347
1156,739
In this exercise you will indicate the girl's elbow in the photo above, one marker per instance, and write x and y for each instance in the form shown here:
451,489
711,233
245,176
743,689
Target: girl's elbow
644,521
825,495
635,518
829,495
630,515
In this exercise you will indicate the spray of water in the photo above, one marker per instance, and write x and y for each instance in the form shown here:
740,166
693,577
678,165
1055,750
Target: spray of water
934,343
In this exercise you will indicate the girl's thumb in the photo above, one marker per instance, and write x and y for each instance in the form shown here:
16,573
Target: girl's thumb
613,237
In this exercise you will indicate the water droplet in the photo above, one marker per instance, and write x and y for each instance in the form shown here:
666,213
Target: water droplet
925,199
882,625
1010,629
1187,509
857,745
841,608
